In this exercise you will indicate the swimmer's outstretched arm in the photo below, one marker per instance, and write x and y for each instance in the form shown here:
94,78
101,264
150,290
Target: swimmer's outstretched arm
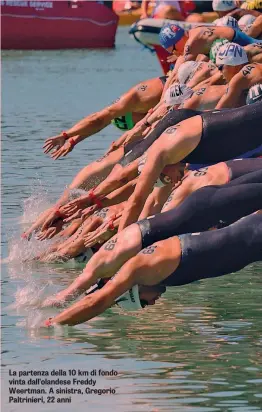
105,263
256,28
120,195
154,164
95,122
94,172
157,114
112,199
95,304
117,178
149,268
74,245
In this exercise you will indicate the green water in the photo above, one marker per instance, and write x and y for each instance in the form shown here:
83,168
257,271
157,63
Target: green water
198,349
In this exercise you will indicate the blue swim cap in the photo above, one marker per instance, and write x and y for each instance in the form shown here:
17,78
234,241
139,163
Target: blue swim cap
170,34
254,94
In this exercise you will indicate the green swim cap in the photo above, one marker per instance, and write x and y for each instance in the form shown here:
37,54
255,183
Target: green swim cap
214,48
124,122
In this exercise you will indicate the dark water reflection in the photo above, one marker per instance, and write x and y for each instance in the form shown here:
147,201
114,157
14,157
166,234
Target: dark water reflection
199,348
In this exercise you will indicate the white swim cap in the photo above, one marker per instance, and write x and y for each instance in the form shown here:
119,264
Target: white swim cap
254,94
186,70
246,20
231,54
228,21
177,94
223,5
130,300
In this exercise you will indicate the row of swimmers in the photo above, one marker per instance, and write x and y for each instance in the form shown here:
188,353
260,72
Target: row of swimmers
178,191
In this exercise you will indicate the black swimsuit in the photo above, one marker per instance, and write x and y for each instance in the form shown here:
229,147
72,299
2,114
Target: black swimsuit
240,167
228,133
219,252
205,208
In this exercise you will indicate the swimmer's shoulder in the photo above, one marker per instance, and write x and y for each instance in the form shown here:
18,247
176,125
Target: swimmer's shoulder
252,71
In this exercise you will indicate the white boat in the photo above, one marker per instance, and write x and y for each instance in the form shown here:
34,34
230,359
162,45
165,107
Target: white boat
146,31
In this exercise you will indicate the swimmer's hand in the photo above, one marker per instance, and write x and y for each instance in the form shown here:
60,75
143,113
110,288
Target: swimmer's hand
53,216
82,213
88,212
103,232
74,216
50,232
27,235
63,150
54,142
76,204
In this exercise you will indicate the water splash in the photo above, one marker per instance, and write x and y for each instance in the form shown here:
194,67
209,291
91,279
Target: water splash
35,204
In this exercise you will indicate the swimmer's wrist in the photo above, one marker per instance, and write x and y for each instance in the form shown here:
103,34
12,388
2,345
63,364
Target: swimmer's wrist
72,142
58,213
111,225
70,139
95,200
65,135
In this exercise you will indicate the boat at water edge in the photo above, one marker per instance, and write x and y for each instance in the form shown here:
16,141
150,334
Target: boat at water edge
49,25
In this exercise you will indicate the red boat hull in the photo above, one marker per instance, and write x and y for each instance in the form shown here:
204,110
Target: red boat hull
57,25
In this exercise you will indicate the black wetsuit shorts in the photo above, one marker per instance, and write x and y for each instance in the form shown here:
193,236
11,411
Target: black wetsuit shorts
218,252
210,206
